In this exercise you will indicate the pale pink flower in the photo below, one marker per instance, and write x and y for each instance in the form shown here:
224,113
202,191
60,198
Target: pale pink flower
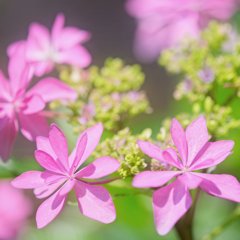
17,104
61,173
15,208
88,111
163,23
62,45
171,202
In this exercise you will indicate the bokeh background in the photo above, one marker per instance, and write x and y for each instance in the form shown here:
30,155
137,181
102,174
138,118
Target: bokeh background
112,36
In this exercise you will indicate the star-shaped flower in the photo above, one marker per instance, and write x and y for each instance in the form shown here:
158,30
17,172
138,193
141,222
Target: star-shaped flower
62,45
171,202
62,173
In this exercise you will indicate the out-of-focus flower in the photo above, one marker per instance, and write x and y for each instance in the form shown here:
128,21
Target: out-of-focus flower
62,45
52,154
17,104
163,23
15,208
88,111
206,75
171,202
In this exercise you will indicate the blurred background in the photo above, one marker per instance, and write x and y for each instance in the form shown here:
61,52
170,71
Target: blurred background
112,36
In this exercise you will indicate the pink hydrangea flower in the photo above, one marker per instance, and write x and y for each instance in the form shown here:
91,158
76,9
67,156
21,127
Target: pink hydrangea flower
171,202
17,104
62,173
62,45
163,23
15,208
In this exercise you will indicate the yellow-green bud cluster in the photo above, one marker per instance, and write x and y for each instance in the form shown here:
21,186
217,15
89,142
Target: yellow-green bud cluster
109,95
123,147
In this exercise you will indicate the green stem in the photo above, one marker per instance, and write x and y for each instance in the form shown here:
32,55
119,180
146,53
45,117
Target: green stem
230,98
219,229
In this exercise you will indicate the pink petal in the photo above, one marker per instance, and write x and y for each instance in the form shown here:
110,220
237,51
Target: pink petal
153,179
220,185
170,203
67,187
33,126
95,202
42,67
197,136
18,71
70,37
179,139
7,137
33,104
47,190
101,167
29,180
59,145
39,39
12,48
45,87
49,209
77,56
93,135
43,144
155,152
79,153
52,177
170,155
190,180
47,162
57,29
216,151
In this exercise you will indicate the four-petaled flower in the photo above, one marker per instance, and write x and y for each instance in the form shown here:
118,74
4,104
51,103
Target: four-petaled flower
18,104
171,202
52,154
164,23
61,46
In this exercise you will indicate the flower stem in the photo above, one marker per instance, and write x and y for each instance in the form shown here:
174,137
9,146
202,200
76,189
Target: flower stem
219,229
101,182
50,114
185,224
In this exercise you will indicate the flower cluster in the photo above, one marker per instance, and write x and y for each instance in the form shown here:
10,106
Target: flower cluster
210,77
109,95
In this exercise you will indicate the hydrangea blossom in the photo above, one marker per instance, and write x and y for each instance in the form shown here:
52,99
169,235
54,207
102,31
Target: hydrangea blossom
171,202
163,23
15,208
18,104
62,45
52,154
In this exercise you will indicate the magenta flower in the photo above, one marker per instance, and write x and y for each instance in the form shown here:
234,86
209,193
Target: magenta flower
18,104
171,202
52,154
61,46
163,23
15,208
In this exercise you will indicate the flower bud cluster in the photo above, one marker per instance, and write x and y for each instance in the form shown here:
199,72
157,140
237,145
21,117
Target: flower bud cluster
123,147
109,95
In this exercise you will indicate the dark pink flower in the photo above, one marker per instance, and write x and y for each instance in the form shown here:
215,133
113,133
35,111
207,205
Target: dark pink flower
62,173
171,202
62,45
163,23
19,105
15,208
